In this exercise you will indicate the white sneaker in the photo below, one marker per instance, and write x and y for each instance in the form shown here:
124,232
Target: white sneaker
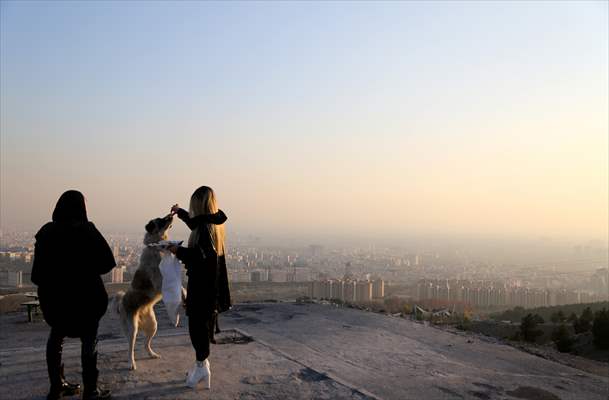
199,371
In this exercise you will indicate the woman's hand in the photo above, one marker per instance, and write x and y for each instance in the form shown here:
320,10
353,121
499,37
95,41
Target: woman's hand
173,249
175,208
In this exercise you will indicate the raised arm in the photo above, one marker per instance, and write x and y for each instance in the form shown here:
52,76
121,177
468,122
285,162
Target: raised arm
217,219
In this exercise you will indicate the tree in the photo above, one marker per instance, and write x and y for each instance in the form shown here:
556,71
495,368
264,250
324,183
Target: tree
562,339
557,317
572,318
600,329
587,315
584,322
528,327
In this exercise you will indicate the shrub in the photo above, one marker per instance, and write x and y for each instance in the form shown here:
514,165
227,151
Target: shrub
584,322
572,318
562,339
517,336
600,329
557,317
528,327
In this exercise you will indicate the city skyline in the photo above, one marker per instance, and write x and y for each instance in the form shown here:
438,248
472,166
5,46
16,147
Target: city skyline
381,120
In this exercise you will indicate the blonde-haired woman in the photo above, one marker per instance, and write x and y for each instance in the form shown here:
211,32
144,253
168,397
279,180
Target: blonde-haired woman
208,291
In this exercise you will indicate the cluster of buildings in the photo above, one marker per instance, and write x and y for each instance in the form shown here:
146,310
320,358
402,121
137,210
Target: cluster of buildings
19,272
490,294
351,291
17,279
116,275
270,275
12,256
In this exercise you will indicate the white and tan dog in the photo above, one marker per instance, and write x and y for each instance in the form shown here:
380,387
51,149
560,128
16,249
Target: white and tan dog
136,307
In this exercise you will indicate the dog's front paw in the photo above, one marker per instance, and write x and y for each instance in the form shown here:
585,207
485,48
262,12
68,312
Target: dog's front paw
155,355
132,366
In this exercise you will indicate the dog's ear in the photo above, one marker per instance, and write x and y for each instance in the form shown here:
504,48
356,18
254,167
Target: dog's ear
150,227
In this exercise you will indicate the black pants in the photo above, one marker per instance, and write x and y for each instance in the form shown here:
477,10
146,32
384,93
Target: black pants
200,328
88,357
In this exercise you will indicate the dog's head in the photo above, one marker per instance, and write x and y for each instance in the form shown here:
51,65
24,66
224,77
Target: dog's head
157,229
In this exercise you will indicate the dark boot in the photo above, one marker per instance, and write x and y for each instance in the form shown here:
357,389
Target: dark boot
59,386
90,372
54,350
66,389
63,388
74,388
96,394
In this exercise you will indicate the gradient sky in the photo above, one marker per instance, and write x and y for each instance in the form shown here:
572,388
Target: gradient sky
311,118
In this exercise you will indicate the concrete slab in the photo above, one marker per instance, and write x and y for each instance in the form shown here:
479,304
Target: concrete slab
306,351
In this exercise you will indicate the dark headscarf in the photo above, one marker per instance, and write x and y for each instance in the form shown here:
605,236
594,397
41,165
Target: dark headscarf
70,207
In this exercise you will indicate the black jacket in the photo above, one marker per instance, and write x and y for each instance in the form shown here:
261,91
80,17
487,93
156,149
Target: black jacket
69,258
208,288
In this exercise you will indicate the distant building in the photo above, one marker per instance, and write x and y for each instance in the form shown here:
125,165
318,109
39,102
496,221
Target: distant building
117,274
278,276
26,279
349,291
493,294
301,275
363,291
316,290
256,276
378,289
315,250
240,276
337,289
14,279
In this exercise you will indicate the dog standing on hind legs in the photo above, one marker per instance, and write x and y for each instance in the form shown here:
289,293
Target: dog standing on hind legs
136,307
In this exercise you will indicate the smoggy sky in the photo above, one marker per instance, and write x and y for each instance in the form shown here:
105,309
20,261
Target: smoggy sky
315,118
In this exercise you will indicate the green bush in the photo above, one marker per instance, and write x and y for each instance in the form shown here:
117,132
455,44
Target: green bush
563,339
557,317
517,313
584,322
572,318
600,329
528,327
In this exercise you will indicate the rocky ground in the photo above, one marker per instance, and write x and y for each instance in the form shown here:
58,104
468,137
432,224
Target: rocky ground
309,351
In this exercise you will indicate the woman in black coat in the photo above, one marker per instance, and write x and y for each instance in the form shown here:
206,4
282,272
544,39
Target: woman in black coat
208,291
70,289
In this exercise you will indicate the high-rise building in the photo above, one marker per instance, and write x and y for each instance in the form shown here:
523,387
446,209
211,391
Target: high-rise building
378,289
278,276
363,291
316,291
256,276
444,291
117,274
349,291
240,276
337,289
301,275
14,279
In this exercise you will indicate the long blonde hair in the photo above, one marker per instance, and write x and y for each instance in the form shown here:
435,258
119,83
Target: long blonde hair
203,201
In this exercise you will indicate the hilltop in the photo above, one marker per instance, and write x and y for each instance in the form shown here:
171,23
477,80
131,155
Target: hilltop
304,351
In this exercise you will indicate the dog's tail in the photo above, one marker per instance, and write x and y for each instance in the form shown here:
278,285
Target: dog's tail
117,302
